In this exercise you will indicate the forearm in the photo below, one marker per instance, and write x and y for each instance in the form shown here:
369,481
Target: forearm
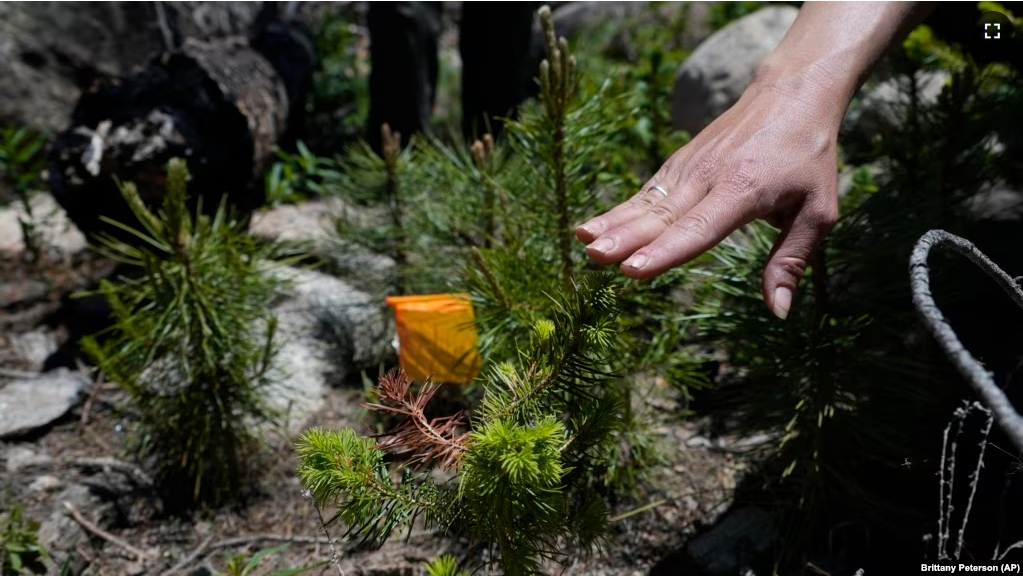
832,47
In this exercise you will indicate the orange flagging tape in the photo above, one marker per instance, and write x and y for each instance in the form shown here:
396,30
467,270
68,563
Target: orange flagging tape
437,337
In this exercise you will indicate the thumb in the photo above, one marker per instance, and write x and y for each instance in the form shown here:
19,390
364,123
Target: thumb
791,253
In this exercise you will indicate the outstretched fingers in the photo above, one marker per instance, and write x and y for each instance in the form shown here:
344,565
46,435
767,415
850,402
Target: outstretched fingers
653,193
694,232
639,222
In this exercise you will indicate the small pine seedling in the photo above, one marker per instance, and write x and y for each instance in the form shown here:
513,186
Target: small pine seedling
544,427
446,565
192,343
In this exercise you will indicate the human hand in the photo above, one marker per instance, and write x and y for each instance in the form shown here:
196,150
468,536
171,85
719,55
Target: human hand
772,156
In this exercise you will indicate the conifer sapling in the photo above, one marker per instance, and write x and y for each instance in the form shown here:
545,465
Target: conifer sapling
192,343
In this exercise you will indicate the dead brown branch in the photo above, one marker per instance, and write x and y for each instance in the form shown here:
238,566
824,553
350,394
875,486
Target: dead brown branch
427,439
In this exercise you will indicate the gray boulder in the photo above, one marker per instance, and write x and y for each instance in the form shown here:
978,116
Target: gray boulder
29,404
882,106
328,331
55,236
719,70
311,225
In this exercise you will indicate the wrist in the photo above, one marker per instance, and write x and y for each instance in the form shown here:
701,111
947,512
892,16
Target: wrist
831,48
816,86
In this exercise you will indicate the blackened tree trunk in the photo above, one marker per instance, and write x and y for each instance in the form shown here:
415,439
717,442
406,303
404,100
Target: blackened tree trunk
220,104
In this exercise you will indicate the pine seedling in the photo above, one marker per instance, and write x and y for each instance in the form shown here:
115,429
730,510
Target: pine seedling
192,344
565,145
544,425
561,145
446,565
425,205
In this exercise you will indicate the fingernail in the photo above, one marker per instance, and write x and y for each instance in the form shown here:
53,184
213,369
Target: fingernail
602,245
782,301
637,262
592,228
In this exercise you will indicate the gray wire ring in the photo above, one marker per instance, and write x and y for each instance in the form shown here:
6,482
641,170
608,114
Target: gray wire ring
659,189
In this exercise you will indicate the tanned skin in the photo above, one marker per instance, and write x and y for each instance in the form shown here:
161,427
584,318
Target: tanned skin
772,156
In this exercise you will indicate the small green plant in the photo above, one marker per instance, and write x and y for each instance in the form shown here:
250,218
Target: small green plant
192,344
21,166
294,178
494,219
245,564
20,551
21,161
446,565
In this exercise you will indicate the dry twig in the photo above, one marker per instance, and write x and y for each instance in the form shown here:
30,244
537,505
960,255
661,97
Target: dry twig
139,554
93,393
192,557
427,439
19,374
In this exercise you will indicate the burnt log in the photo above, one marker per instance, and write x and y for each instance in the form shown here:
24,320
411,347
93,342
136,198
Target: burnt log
220,104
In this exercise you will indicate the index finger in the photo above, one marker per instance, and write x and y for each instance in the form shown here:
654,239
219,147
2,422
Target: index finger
708,223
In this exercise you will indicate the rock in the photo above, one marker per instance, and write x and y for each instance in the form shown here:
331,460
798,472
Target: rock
311,224
305,222
690,503
22,292
881,107
698,442
19,457
34,347
50,51
27,405
735,544
57,237
577,19
996,202
713,78
574,19
45,483
328,331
